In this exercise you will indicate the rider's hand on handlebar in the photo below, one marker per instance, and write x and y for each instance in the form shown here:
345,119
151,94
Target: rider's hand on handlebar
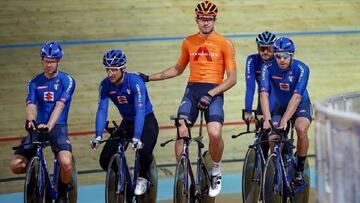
283,125
95,143
136,144
266,124
248,116
30,125
205,101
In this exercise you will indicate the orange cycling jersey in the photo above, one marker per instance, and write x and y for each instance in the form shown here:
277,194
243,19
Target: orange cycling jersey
208,57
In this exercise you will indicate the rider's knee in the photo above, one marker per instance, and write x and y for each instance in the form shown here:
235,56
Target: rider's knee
214,136
65,160
18,166
301,131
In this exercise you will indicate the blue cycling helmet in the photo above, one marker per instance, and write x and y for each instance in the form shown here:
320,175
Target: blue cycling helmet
114,58
51,50
265,38
284,44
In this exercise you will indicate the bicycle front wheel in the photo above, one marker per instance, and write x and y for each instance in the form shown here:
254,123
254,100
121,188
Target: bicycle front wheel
182,181
35,188
115,184
251,177
272,182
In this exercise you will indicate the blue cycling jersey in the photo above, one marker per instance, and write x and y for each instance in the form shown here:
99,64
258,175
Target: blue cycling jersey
253,74
45,92
285,83
131,99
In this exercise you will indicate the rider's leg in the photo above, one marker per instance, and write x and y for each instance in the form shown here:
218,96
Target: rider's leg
18,164
216,142
302,126
183,132
65,160
149,138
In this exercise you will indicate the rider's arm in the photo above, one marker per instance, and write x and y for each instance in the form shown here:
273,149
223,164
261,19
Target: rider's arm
250,83
139,89
264,92
299,90
175,70
30,108
68,89
230,67
102,111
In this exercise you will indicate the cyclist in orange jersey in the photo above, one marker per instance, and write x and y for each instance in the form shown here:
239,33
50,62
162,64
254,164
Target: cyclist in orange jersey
210,55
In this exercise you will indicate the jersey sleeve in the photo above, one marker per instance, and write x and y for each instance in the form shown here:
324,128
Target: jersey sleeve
69,87
139,89
184,55
265,79
31,93
250,83
229,55
102,111
303,80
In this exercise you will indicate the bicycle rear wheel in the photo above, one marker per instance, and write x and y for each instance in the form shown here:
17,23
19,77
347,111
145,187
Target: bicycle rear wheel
114,181
204,179
35,188
273,189
251,177
182,181
150,195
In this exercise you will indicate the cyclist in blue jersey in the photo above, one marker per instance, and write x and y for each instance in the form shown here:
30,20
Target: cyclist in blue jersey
288,78
48,103
129,94
253,66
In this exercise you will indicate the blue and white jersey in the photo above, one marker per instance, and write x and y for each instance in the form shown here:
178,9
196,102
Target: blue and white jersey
285,83
45,92
253,74
131,99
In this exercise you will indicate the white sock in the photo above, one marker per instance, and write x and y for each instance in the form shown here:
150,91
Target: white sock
216,168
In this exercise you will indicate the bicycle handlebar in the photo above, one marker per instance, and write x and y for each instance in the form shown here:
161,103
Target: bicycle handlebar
43,132
247,122
196,139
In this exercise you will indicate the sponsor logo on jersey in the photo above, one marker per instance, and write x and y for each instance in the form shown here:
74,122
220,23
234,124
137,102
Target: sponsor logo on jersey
182,103
128,91
276,77
56,86
138,92
202,51
284,86
122,100
49,96
41,87
112,92
291,78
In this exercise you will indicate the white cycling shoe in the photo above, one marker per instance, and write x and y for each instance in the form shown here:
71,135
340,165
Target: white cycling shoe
215,187
141,186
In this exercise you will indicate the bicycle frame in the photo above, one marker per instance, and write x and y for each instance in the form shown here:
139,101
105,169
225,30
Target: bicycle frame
284,143
50,185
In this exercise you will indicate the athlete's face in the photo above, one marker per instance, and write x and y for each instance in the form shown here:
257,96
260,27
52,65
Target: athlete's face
265,52
50,66
283,59
114,74
205,24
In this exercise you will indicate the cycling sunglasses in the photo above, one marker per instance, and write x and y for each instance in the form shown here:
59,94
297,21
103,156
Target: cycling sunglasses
265,48
284,55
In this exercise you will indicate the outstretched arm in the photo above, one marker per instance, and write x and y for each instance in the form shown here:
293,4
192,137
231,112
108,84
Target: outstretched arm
167,73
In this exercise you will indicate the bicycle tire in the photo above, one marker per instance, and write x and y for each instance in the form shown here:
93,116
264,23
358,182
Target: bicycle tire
204,181
251,181
150,195
181,189
33,184
112,180
272,193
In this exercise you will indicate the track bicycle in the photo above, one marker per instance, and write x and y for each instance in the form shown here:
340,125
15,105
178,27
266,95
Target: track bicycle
190,186
39,187
279,173
119,183
254,161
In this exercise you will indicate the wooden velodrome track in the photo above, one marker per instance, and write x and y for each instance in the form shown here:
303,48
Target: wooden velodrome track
326,34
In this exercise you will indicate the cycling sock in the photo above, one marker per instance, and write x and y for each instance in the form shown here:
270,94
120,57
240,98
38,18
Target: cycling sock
300,163
216,168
